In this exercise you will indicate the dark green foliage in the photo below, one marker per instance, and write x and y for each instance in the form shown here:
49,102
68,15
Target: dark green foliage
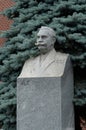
80,95
66,17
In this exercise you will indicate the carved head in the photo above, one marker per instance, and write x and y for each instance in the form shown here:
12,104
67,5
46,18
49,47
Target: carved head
46,38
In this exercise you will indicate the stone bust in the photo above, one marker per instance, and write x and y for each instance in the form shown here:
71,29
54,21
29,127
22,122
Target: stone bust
46,38
49,63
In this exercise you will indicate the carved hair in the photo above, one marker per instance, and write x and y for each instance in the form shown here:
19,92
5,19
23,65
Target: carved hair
51,31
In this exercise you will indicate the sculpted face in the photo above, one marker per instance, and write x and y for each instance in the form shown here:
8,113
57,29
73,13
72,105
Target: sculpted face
45,39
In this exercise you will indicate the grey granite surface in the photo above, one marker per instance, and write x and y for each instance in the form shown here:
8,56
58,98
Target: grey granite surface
45,104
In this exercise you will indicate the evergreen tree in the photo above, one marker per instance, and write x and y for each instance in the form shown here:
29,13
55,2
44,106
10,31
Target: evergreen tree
66,17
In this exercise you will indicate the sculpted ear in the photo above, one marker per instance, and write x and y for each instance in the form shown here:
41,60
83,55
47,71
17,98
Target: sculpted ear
54,39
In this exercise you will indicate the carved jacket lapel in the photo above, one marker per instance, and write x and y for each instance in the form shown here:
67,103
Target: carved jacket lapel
49,59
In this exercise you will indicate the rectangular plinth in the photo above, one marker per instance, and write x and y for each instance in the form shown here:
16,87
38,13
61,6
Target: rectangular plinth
41,104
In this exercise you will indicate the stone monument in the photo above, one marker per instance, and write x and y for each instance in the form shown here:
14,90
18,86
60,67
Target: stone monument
45,88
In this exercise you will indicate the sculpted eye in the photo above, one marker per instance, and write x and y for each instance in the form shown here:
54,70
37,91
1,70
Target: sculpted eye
38,36
44,36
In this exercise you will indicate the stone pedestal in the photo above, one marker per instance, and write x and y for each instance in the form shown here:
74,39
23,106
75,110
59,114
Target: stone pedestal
45,103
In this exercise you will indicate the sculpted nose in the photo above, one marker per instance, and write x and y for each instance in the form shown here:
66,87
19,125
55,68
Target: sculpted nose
40,39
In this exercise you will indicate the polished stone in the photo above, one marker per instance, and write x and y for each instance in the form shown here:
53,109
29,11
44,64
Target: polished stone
45,104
